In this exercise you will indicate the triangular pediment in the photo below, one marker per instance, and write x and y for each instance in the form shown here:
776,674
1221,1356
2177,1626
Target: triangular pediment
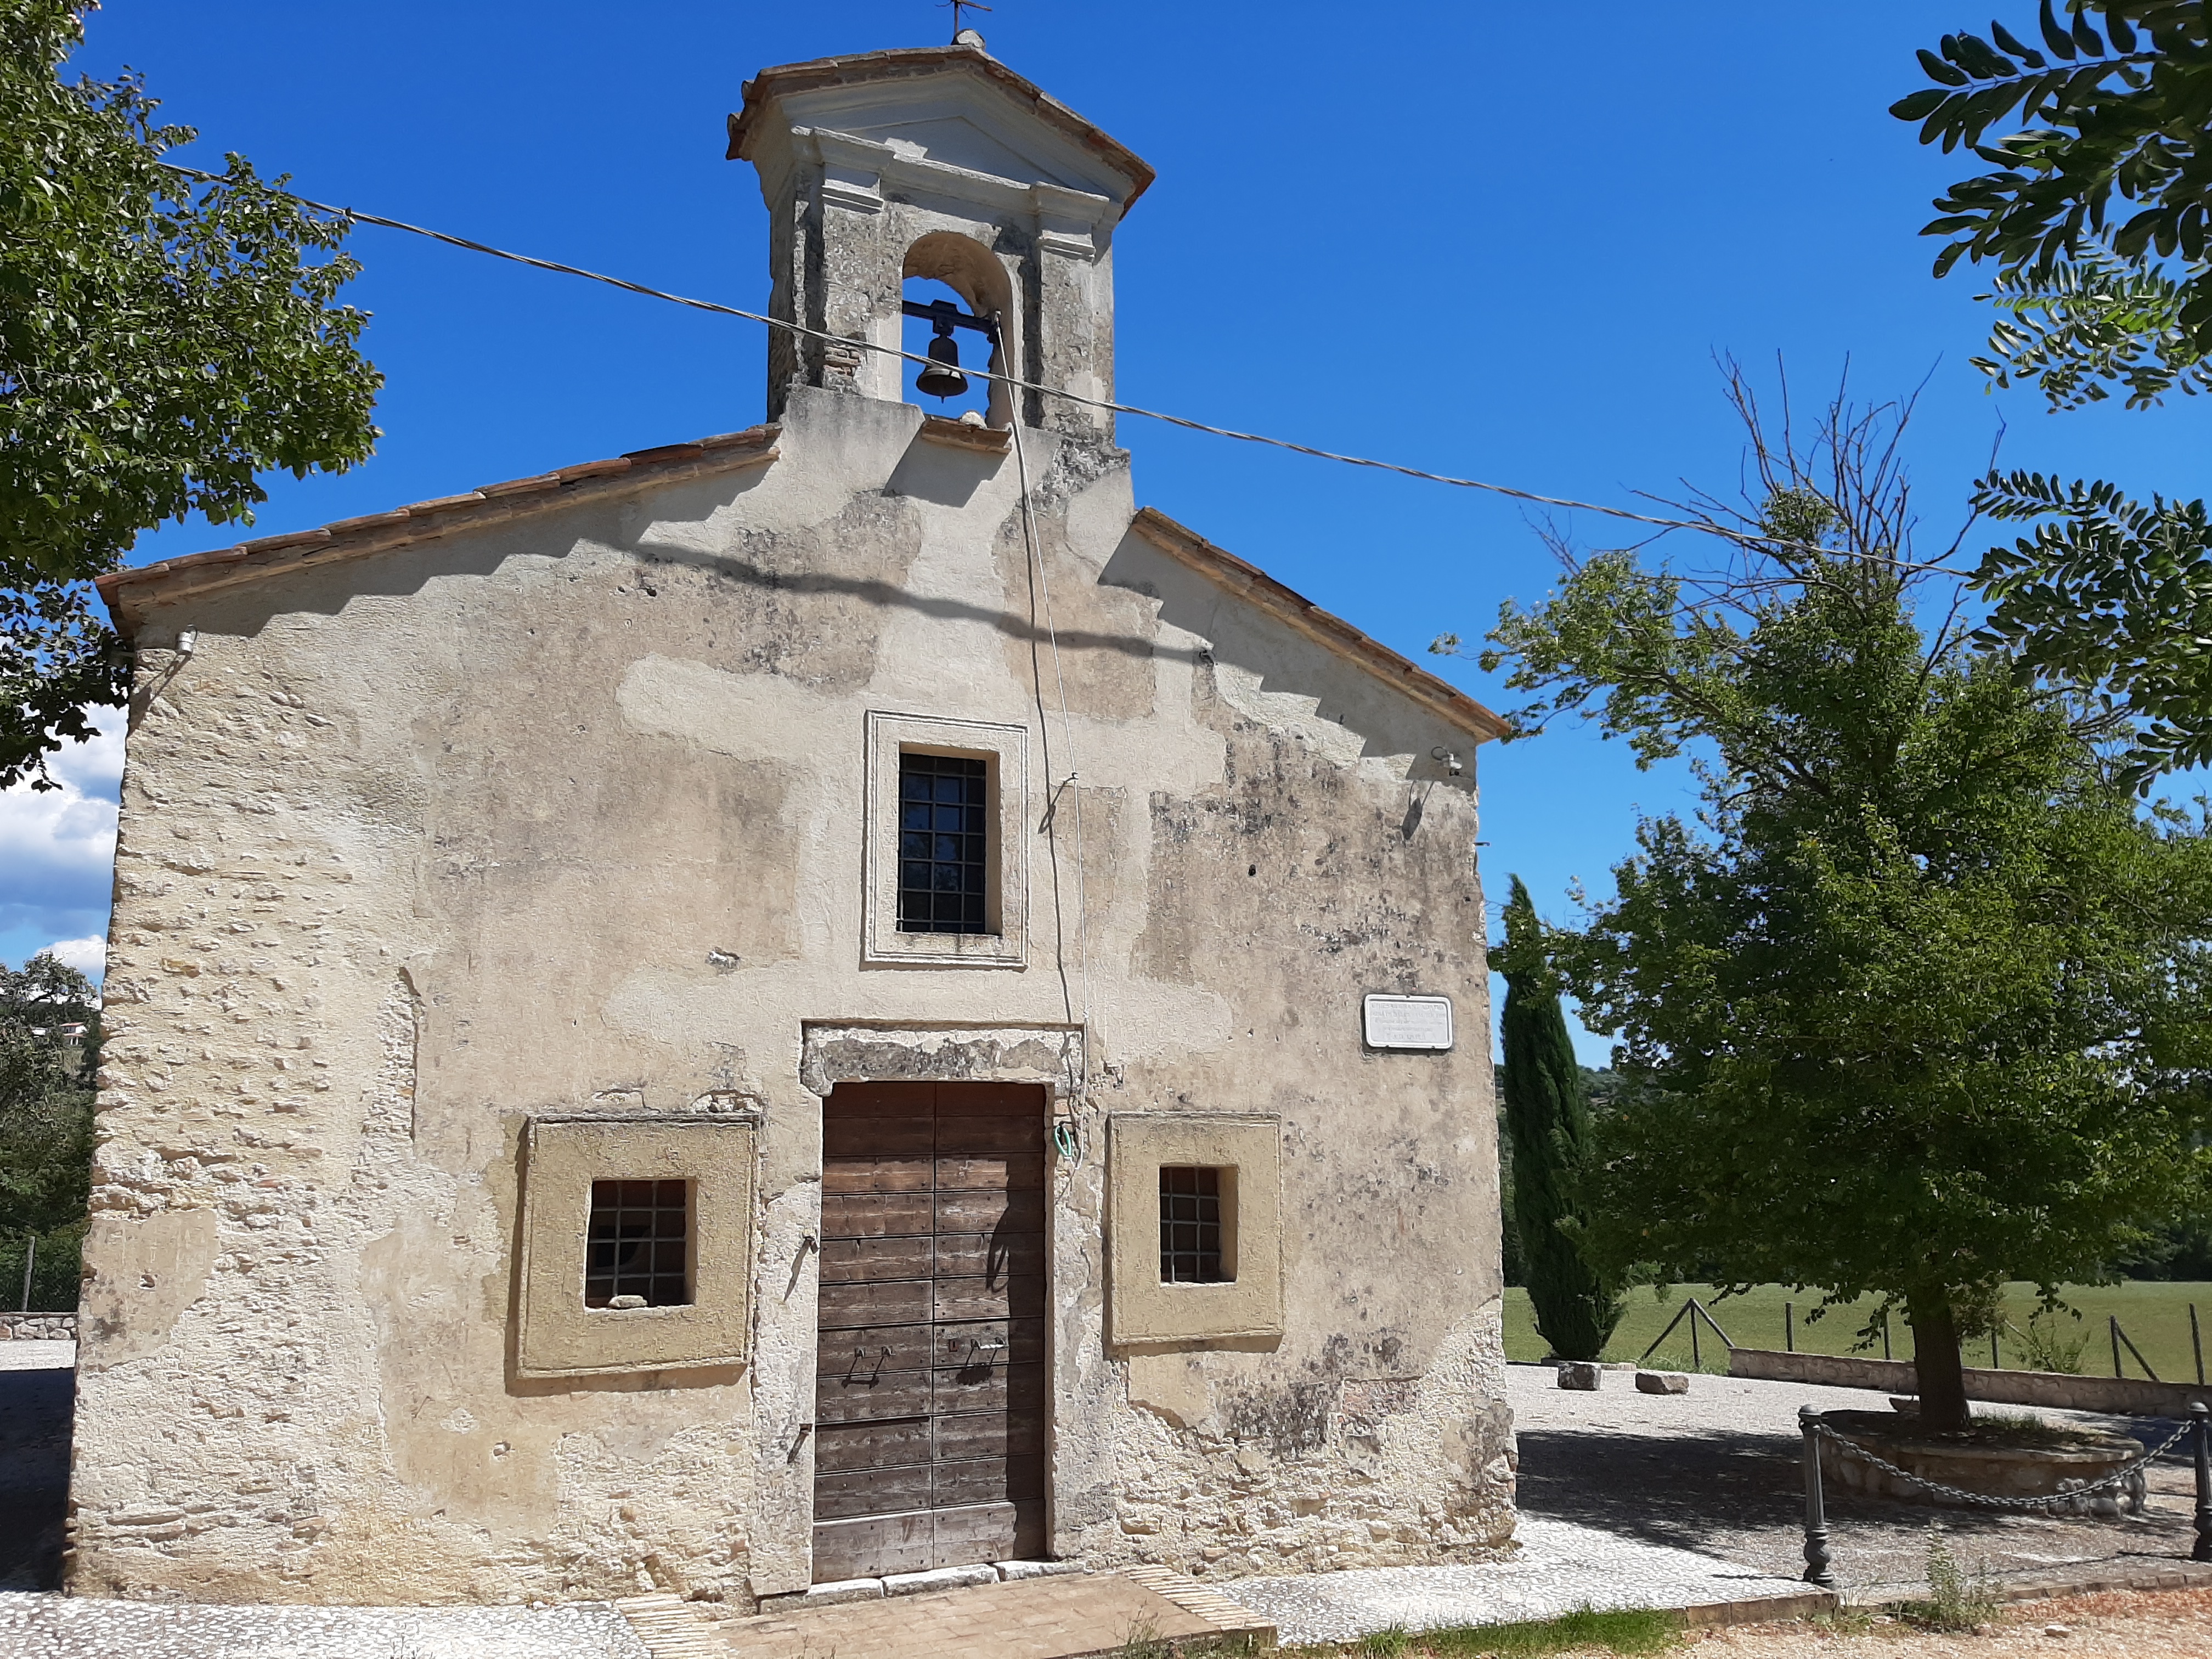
952,107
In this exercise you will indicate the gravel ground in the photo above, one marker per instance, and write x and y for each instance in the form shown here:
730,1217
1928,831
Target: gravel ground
51,1627
2165,1625
1717,1470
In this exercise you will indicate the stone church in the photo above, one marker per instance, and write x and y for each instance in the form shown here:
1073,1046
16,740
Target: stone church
829,1002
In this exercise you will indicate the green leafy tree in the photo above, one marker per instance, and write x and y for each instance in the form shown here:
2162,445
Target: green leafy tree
45,1123
2108,176
162,342
1547,1119
1917,1004
2093,214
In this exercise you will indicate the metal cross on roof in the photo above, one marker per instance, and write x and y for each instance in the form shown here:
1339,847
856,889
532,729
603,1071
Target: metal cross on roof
959,23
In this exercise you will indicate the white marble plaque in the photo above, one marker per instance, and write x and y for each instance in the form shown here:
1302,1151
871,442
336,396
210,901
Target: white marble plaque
1394,1022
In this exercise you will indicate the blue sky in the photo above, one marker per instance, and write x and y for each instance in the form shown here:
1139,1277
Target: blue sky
1453,235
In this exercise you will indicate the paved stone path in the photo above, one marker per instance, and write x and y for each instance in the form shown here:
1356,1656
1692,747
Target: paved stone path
1560,1567
1717,1471
1062,1618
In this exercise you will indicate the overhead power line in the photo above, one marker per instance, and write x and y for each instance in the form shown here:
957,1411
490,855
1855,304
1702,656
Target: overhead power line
848,343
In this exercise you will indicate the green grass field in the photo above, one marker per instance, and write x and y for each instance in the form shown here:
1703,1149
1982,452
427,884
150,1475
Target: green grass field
2154,1314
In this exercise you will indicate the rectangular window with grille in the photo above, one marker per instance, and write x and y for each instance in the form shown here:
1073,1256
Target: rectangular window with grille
945,808
1190,1226
637,1251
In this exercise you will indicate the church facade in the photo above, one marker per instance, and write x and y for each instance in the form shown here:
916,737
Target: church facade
828,1002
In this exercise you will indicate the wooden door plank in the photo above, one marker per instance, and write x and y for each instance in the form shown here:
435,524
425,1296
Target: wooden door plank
991,1171
989,1434
957,1135
849,1100
1003,1388
878,1175
839,1448
868,1549
848,1260
991,1213
891,1393
986,1481
993,1100
866,1348
859,1137
881,1491
993,1341
847,1306
989,1532
984,1298
875,1215
979,1255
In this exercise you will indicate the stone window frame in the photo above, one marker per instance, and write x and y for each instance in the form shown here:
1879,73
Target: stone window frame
556,1334
1005,751
1143,1311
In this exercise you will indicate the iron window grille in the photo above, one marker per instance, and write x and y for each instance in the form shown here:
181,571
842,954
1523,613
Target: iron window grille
639,1243
944,847
1190,1226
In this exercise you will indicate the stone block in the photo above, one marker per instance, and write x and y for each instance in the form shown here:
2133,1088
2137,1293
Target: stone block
1584,1374
1013,1570
842,1589
1662,1382
917,1583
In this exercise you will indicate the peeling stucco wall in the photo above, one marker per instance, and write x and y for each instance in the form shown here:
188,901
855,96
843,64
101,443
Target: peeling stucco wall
565,814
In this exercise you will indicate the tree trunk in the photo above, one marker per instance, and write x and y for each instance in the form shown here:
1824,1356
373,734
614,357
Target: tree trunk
1936,1358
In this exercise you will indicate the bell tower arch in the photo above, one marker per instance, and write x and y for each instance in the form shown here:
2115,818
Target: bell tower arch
938,161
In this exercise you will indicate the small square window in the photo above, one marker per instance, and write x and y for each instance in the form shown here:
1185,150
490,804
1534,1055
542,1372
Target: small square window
639,1245
945,848
1190,1226
944,861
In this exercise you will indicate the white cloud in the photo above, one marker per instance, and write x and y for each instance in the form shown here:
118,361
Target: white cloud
57,846
88,956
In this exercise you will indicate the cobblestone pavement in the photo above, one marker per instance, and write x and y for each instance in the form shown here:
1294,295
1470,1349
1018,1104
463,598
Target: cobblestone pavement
1717,1470
46,1626
1560,1567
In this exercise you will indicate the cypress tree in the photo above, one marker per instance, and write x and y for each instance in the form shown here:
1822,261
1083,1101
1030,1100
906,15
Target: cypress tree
1547,1117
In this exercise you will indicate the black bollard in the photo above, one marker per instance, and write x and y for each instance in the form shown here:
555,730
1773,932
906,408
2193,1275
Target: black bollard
1816,1514
2203,1437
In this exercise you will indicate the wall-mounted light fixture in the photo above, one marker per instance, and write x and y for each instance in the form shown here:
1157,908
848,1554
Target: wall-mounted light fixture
1451,761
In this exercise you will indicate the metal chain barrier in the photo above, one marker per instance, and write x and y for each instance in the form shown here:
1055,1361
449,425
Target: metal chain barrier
2075,1496
2065,1499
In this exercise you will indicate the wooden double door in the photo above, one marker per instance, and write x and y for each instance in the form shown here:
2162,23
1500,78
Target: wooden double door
930,1398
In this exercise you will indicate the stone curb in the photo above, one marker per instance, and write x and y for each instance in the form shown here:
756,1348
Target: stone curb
1760,1609
2095,1579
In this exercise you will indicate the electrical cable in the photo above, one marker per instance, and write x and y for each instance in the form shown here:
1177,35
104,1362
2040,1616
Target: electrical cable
847,343
1035,554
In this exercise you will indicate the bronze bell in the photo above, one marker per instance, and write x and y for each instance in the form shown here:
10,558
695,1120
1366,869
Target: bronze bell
942,377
